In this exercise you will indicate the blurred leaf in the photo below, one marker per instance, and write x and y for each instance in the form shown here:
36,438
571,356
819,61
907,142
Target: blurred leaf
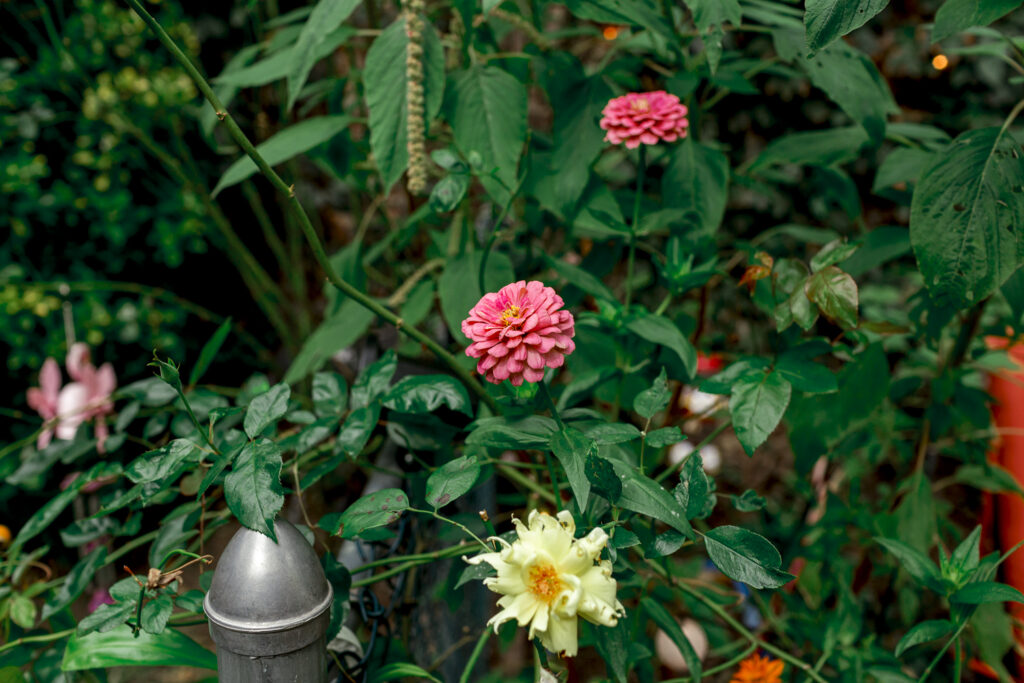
745,556
284,145
572,448
749,501
613,433
667,623
253,488
121,647
384,80
75,582
459,286
427,393
326,16
878,247
374,510
209,352
822,148
916,563
275,67
827,20
654,399
714,12
401,670
661,330
988,477
486,107
330,393
832,253
337,332
964,215
806,375
452,480
44,516
666,436
986,591
580,278
697,180
23,611
266,409
926,631
448,192
902,165
341,581
956,15
757,405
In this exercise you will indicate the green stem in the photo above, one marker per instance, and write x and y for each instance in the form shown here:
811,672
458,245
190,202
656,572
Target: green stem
475,655
641,172
446,520
315,243
941,652
514,475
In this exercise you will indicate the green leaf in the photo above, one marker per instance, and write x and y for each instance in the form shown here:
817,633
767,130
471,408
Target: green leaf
602,478
714,12
337,332
915,562
757,405
957,15
967,555
644,495
654,399
174,533
374,380
486,107
459,286
75,582
209,351
241,74
452,480
330,394
401,670
107,617
121,647
581,278
832,253
981,592
377,509
341,581
159,465
694,490
661,330
45,515
965,214
253,488
23,611
697,181
749,501
358,427
667,623
155,614
326,16
427,393
835,294
827,20
902,165
816,148
266,409
284,145
384,80
747,557
926,631
572,448
449,192
666,436
747,368
606,434
988,477
806,375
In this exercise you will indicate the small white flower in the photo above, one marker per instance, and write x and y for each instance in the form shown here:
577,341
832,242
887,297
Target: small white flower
548,578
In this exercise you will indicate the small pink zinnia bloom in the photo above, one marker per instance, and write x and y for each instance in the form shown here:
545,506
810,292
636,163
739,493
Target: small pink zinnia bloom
43,399
87,398
647,117
519,331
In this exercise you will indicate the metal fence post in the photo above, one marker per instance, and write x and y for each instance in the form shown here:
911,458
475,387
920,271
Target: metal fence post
269,606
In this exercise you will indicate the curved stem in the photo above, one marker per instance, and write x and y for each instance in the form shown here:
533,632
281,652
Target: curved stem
446,520
310,233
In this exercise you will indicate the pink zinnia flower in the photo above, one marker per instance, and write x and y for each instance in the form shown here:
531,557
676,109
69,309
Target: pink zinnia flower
519,331
43,399
87,398
648,117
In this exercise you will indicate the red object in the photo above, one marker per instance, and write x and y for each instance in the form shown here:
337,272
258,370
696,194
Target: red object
1007,390
709,364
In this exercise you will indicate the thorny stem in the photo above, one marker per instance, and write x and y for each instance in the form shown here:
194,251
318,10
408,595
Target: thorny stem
310,233
641,171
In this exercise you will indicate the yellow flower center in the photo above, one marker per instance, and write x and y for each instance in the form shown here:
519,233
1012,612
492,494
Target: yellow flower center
640,104
544,583
509,314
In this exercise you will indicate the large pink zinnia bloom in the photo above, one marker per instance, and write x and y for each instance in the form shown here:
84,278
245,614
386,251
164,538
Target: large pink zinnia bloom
519,331
647,117
43,399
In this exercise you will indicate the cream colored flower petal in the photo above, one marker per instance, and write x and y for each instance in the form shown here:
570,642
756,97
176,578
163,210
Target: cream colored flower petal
569,599
597,582
560,636
540,620
521,607
508,581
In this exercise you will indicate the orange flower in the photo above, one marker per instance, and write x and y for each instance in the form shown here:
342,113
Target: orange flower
758,669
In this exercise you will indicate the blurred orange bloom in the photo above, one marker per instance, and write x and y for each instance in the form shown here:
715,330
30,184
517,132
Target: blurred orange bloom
758,669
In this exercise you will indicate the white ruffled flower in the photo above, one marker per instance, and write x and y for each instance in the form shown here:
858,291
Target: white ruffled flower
548,578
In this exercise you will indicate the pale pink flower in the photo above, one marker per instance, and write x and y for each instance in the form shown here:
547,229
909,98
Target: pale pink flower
43,399
647,117
100,596
519,331
87,398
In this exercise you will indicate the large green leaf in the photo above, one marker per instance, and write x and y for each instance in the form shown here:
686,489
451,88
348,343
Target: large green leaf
121,647
374,380
757,405
44,516
459,286
266,409
339,331
358,427
452,480
284,145
644,495
661,330
667,623
241,74
572,448
75,582
384,80
966,215
326,16
827,20
915,562
330,393
957,15
818,148
376,509
745,556
697,181
626,13
987,591
835,293
253,488
932,629
427,393
653,399
486,107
